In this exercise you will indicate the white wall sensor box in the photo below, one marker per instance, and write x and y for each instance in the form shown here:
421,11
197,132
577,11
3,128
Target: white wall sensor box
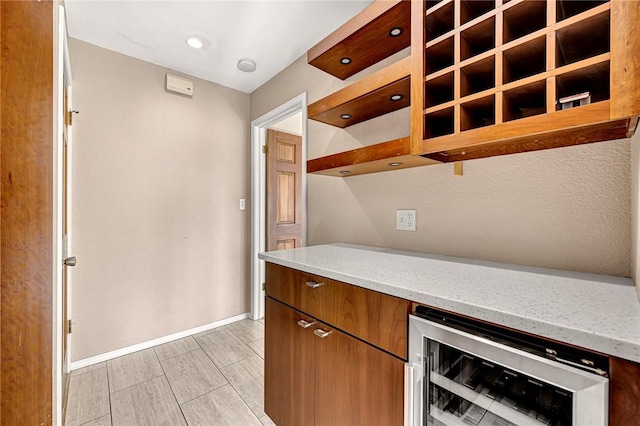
179,85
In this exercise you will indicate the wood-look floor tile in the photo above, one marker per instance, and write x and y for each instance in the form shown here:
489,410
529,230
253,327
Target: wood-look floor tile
224,348
148,403
89,368
88,397
192,375
175,348
247,378
247,330
258,347
102,421
223,406
132,369
266,420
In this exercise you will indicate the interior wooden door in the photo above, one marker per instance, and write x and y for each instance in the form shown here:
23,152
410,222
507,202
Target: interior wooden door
284,190
356,384
288,371
27,246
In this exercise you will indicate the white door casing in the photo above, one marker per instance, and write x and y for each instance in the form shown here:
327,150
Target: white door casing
258,191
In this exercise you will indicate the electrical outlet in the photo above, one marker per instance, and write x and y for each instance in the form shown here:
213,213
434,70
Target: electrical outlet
405,220
241,204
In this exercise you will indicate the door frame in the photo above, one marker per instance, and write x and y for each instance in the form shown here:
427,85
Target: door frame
61,365
258,191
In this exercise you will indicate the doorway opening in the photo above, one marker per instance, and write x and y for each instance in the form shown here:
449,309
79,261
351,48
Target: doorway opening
277,118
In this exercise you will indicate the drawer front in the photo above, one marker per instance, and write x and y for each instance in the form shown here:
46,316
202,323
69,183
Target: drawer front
376,318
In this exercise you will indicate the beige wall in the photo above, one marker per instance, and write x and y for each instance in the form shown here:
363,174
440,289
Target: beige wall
161,244
567,208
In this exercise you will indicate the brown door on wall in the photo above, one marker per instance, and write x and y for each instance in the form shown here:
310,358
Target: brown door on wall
284,190
26,188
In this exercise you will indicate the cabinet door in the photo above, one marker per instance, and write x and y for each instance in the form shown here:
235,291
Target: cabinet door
624,392
356,383
374,317
289,364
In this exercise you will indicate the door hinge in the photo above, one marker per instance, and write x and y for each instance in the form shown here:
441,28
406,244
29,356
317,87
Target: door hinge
70,117
265,149
69,326
263,286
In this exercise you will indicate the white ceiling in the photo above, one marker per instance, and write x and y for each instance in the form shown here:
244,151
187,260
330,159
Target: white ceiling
271,33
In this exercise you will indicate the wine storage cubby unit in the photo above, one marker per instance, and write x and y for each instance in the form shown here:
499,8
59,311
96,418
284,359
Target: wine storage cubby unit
483,78
495,71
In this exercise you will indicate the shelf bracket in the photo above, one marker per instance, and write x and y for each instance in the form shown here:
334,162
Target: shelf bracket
457,168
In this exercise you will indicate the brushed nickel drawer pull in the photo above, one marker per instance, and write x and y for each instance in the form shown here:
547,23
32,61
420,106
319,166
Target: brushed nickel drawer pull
321,333
313,284
305,324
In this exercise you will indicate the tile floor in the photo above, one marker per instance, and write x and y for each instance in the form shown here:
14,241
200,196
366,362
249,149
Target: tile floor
211,378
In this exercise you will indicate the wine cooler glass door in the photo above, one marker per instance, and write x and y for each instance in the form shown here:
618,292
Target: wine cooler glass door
464,379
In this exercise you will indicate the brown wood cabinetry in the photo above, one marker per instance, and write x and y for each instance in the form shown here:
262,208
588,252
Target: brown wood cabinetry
491,77
289,377
624,398
488,77
374,317
327,368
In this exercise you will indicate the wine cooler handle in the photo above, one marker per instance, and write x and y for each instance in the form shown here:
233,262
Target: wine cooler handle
409,371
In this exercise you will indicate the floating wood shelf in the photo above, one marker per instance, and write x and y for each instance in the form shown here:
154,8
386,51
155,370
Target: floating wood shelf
607,131
385,156
368,98
365,40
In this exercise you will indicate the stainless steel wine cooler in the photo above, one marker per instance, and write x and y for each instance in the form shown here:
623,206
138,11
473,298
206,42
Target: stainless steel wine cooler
466,373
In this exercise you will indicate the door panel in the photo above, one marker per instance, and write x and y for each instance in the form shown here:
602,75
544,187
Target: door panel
286,244
286,193
356,383
284,190
288,370
26,246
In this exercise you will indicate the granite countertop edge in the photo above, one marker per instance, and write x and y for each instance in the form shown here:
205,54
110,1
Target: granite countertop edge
610,336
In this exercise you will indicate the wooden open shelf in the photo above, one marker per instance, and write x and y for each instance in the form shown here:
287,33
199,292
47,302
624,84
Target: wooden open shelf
385,156
365,40
492,74
618,129
484,78
367,98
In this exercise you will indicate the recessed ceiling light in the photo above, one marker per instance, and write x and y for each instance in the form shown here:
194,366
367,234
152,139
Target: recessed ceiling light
395,97
246,65
345,116
345,172
394,164
345,61
395,32
195,42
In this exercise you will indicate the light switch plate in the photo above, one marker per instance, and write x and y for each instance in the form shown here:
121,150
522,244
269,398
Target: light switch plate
405,220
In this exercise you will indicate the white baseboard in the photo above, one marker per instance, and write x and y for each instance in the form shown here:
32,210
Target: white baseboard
81,363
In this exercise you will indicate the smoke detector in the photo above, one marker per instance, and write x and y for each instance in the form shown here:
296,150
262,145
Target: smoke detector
246,65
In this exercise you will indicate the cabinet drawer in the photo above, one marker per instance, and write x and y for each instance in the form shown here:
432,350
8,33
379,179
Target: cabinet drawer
376,318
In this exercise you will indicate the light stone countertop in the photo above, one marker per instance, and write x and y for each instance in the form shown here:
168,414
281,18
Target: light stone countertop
597,312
